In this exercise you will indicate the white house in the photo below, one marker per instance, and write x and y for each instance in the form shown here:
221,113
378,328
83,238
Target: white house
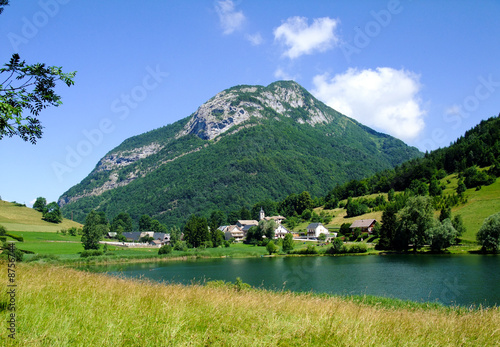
315,229
233,231
280,232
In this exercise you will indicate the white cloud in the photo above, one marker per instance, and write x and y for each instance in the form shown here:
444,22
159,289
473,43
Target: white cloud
453,110
385,98
255,39
283,75
230,19
301,38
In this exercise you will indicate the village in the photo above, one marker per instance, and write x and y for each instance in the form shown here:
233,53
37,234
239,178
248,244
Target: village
238,232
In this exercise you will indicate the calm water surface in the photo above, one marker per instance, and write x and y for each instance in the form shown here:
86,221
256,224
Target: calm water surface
451,280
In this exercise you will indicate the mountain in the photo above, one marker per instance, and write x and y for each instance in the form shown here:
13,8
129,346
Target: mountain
244,145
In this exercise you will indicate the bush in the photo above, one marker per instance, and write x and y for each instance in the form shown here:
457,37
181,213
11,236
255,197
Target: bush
357,248
309,250
9,252
165,249
336,247
18,238
180,246
271,247
239,285
91,253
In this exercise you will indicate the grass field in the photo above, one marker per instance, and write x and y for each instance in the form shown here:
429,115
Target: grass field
20,218
64,307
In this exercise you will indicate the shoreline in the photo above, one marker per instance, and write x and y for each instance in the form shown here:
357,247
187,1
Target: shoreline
105,260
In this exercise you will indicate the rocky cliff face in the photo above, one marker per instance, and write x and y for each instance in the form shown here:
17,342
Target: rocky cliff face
237,105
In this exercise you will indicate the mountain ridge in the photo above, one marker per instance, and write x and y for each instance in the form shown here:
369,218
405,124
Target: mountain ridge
271,131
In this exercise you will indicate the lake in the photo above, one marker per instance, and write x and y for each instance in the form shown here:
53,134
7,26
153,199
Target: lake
448,279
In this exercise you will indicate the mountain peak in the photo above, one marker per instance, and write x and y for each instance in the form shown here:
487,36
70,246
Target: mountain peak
239,104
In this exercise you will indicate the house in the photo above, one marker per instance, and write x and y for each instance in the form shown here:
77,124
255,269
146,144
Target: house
250,223
278,219
366,225
111,235
231,231
315,229
280,232
133,236
156,243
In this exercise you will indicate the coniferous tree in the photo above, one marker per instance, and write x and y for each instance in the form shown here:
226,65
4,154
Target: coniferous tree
288,243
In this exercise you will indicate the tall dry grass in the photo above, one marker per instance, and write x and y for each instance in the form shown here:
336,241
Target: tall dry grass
65,307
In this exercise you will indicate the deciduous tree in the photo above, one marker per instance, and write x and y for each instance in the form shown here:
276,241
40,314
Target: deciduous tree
489,234
52,213
442,236
196,231
415,221
28,88
40,204
92,231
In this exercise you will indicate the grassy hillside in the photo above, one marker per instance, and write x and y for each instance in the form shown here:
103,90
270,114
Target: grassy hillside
62,307
20,218
480,204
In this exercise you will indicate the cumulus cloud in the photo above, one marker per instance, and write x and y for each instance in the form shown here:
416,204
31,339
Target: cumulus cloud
283,75
301,38
384,98
230,19
255,39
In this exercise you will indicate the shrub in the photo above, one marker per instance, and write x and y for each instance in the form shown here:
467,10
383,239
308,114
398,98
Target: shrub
336,247
357,248
180,246
239,285
165,249
12,252
271,247
91,253
309,250
18,238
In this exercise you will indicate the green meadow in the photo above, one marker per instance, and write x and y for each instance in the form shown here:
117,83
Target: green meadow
60,306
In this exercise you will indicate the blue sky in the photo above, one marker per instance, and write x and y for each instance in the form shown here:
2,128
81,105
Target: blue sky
423,71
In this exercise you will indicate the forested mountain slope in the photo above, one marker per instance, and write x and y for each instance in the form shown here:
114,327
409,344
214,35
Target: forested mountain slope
246,144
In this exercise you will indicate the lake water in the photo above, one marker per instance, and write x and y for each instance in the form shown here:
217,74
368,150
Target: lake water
448,279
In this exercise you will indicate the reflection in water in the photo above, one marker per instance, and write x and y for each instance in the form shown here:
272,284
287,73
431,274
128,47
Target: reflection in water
451,280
